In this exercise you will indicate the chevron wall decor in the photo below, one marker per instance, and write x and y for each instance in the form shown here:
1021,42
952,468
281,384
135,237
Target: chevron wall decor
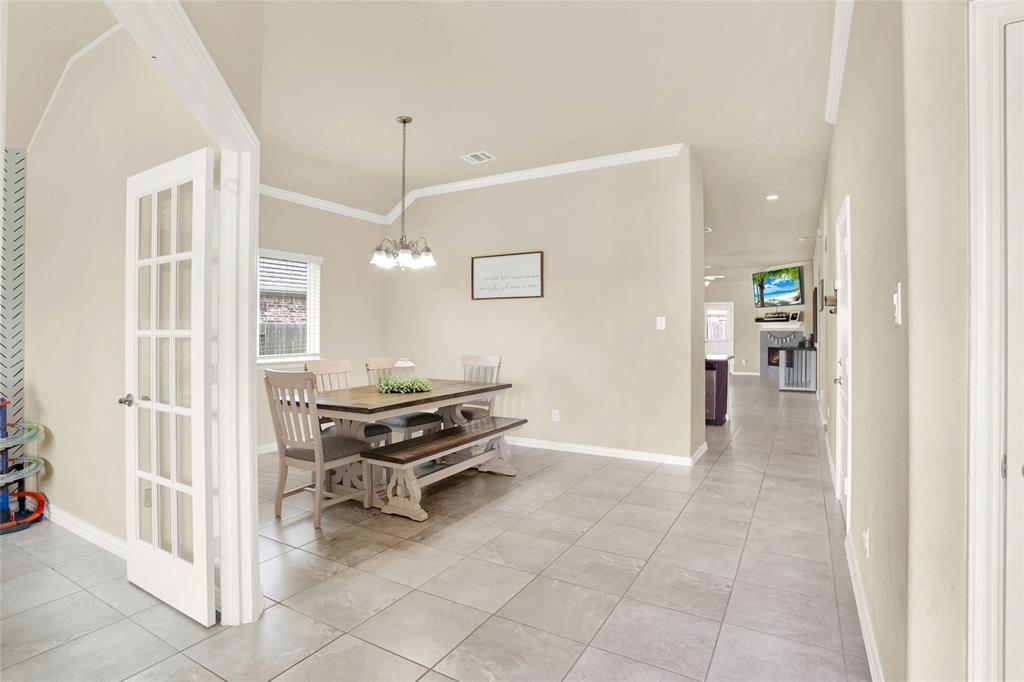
12,285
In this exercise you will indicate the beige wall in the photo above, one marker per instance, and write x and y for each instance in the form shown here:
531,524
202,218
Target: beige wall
866,162
617,248
352,305
738,287
935,111
113,117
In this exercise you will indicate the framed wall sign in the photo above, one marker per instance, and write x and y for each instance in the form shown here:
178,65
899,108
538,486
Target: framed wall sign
508,275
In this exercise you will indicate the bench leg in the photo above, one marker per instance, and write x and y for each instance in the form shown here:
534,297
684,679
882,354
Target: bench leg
502,462
404,496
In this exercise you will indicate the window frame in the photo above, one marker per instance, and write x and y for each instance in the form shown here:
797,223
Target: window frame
313,307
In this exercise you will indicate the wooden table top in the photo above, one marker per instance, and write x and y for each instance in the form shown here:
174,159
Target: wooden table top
366,399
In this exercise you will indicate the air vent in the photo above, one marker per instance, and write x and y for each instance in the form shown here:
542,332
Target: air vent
478,157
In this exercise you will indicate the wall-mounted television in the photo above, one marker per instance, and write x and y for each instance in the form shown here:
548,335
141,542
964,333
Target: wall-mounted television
779,287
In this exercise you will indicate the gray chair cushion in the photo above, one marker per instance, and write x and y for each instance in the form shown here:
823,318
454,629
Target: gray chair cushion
472,412
373,430
335,447
407,421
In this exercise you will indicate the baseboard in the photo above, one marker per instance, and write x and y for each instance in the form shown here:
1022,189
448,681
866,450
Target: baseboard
867,632
699,452
746,374
602,451
266,448
97,536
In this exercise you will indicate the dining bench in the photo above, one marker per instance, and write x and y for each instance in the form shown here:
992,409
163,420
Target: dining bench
401,459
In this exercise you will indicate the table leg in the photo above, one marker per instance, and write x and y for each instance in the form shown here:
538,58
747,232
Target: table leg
354,475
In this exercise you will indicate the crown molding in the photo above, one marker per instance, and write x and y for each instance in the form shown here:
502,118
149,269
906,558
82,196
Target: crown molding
98,40
608,161
323,205
841,25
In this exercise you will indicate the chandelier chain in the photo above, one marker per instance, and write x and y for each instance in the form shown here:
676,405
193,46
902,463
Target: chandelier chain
404,124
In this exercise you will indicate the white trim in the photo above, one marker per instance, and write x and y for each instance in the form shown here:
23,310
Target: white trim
290,255
866,630
746,374
60,81
285,361
602,451
323,205
164,31
638,156
85,530
987,392
842,22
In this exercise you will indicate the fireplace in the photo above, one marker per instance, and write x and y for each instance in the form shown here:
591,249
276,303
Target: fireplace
773,356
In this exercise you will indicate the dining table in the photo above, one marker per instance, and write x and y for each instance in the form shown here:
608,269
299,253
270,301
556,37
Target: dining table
353,408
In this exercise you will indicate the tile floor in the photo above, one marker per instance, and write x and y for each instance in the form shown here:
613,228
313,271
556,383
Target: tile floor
579,568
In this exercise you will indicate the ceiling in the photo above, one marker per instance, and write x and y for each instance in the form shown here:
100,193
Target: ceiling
535,83
42,37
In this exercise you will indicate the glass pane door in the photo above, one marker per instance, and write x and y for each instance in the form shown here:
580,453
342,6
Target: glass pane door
170,511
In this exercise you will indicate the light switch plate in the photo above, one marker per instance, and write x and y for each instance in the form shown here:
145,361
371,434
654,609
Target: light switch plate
659,324
897,304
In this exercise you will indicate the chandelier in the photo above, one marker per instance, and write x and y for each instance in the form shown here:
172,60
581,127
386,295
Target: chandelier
405,253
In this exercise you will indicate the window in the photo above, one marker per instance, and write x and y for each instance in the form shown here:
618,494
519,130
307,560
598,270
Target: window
289,298
716,324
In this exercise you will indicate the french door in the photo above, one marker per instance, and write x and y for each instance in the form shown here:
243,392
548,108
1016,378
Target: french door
167,360
844,437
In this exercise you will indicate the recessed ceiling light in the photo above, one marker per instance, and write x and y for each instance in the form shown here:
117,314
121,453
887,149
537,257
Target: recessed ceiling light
707,229
772,197
801,239
710,278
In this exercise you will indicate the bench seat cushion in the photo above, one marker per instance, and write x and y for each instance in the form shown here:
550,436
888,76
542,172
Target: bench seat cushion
335,447
435,444
406,421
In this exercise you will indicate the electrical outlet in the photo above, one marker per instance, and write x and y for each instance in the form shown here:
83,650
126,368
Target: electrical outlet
865,536
556,416
659,324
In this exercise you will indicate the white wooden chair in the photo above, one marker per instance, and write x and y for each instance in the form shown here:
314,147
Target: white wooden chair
480,368
406,424
301,443
332,375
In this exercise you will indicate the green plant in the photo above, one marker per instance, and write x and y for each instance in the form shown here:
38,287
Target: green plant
399,384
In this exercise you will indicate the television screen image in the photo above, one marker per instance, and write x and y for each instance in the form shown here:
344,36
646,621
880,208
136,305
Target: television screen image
784,286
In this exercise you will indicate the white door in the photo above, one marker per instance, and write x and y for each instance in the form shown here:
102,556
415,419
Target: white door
718,330
167,356
1014,626
844,439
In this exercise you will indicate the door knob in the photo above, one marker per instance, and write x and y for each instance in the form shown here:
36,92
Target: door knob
127,401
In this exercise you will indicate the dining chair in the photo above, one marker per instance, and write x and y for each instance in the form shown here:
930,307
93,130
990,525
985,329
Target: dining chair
332,375
301,443
405,424
479,368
